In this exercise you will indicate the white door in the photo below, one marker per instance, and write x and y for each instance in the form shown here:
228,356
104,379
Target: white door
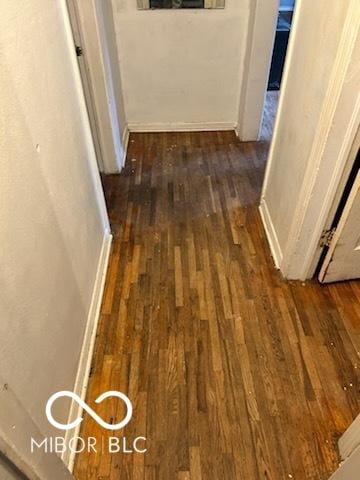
342,261
85,78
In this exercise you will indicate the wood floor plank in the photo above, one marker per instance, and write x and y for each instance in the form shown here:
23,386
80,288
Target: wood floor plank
233,372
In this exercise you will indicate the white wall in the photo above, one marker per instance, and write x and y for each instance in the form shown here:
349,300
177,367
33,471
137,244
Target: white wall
52,218
259,47
308,109
181,69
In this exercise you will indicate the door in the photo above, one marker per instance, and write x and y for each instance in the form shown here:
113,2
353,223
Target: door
342,260
85,78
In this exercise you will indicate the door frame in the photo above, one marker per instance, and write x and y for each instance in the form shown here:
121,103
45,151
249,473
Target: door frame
260,40
97,33
334,137
339,207
343,181
85,78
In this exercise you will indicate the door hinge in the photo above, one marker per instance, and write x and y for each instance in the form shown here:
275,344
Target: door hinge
326,237
79,50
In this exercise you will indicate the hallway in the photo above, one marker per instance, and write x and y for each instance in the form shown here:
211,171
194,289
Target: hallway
233,372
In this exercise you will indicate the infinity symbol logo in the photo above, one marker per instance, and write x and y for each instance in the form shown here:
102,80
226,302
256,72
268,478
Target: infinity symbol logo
90,411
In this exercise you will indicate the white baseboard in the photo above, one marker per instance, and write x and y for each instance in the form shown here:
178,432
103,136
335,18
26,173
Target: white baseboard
272,238
87,350
180,127
125,143
350,439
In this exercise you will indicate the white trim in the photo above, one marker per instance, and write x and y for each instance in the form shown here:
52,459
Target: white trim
180,127
350,440
125,142
271,234
82,377
340,188
312,256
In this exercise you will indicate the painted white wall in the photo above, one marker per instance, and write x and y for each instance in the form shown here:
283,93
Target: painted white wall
313,129
52,213
259,47
181,69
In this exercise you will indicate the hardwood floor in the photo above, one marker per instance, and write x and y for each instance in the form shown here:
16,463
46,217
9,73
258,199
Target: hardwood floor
233,372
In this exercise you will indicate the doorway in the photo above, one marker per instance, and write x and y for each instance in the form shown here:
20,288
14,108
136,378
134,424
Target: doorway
283,27
79,41
95,43
313,133
340,259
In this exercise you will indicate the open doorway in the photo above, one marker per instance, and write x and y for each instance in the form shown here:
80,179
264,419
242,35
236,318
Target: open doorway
95,44
283,27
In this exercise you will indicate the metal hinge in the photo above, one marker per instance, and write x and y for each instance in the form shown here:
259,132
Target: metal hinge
79,50
326,237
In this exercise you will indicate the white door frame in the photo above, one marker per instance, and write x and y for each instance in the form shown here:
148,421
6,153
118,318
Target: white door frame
86,82
261,32
336,131
94,18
